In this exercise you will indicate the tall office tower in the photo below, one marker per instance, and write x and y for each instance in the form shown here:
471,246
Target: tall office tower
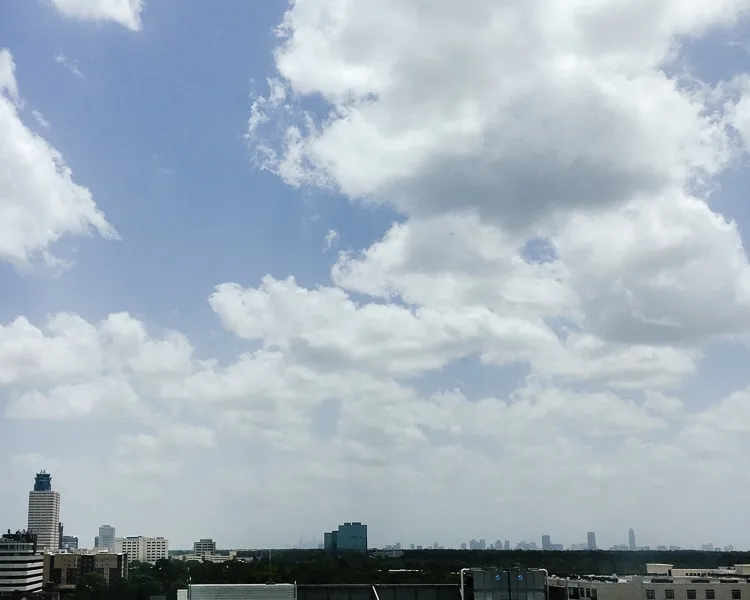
591,540
44,512
546,542
631,539
106,538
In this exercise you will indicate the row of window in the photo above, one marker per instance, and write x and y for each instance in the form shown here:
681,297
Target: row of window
691,594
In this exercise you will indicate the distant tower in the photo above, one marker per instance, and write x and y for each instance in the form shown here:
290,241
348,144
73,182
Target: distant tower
106,538
591,540
546,542
631,539
44,512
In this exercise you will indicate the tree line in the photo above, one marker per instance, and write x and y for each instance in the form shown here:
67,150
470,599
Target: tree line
309,567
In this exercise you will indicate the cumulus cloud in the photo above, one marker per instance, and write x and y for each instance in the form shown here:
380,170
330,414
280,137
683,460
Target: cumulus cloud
39,201
124,12
554,164
175,410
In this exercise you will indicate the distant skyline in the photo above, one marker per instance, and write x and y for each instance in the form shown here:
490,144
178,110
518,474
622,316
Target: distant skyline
450,268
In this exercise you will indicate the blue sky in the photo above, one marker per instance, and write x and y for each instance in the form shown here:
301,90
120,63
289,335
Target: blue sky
155,127
516,240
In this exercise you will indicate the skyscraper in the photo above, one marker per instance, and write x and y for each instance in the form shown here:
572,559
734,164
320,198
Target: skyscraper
546,542
44,512
631,539
106,538
591,540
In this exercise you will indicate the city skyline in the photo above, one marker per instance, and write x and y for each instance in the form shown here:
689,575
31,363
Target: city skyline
454,269
106,537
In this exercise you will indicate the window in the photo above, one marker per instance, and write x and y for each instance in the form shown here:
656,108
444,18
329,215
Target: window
593,594
650,595
668,594
710,595
736,594
692,595
573,593
588,592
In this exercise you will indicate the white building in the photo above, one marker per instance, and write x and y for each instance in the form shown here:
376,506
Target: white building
662,582
21,567
44,513
204,548
106,538
143,549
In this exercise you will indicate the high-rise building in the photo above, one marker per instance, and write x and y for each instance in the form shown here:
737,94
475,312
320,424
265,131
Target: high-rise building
591,541
106,538
204,547
143,549
69,542
546,542
44,512
349,537
631,539
21,565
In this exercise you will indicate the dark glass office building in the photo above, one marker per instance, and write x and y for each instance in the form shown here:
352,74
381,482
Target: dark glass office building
349,537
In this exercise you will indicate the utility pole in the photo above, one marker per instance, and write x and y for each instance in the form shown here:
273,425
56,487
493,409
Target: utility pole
270,564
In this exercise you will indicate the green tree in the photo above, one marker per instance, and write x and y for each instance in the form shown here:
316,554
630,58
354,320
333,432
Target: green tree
92,586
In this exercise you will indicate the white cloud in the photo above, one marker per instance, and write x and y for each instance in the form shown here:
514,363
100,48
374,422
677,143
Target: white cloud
39,201
555,165
332,239
39,118
124,12
70,64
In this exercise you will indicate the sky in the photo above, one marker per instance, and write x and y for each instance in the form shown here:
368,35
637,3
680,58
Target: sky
455,269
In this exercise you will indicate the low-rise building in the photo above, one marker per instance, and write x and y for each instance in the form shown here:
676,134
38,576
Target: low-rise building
21,566
661,582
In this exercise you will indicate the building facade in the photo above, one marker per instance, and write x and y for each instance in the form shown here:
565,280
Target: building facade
591,541
44,513
21,565
63,570
143,549
204,548
497,584
106,538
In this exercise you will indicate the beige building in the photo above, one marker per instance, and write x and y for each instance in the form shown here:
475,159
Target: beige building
143,549
661,582
44,513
